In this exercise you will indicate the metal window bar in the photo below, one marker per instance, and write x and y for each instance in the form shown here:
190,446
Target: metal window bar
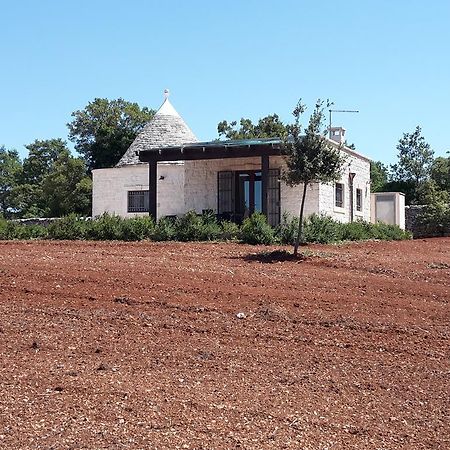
273,193
225,200
358,199
339,195
138,201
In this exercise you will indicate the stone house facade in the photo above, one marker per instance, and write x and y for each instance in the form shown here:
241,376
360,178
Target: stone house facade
231,187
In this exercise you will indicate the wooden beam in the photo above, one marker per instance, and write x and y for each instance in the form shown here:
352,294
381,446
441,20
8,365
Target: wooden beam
200,153
152,189
265,184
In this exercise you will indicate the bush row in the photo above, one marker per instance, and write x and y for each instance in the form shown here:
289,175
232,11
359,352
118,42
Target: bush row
323,229
193,227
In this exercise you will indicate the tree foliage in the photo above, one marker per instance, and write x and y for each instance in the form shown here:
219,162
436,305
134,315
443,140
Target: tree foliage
267,127
104,129
310,156
10,171
41,158
50,182
67,189
440,173
28,195
415,158
429,193
378,176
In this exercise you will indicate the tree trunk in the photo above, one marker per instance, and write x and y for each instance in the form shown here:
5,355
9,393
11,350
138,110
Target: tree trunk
300,221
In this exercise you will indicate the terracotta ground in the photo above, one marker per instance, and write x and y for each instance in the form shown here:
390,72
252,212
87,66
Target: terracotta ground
138,346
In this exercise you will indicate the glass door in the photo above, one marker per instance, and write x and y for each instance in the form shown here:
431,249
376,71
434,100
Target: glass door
248,194
240,194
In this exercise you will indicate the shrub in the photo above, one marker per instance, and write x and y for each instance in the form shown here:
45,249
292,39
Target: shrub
106,228
3,228
325,230
211,231
357,231
322,229
138,228
15,230
229,231
164,230
31,232
70,227
192,227
286,231
256,230
387,232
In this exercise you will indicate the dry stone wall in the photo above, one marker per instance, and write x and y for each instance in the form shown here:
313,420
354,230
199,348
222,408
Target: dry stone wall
414,223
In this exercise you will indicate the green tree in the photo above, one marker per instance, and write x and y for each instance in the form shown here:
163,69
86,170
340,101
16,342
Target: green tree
415,158
378,176
409,188
51,182
440,173
27,201
67,188
42,155
310,157
28,195
267,127
10,171
429,193
104,129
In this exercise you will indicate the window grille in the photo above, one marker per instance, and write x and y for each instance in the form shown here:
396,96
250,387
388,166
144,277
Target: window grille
339,195
138,201
273,193
358,199
225,199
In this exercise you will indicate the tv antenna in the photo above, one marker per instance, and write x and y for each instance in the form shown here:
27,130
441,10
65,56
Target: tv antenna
339,111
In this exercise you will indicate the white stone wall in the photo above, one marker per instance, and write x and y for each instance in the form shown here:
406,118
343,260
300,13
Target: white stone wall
201,180
193,186
201,187
201,184
111,186
291,196
360,166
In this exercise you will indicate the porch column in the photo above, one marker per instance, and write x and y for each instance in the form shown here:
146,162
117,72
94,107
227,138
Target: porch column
265,184
152,188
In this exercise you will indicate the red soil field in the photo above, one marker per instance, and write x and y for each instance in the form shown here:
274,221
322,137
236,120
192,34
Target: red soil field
112,345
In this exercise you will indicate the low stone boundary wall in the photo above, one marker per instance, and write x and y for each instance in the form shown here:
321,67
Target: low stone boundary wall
43,221
413,223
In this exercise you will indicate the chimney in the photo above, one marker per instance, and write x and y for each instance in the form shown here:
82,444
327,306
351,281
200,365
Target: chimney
337,134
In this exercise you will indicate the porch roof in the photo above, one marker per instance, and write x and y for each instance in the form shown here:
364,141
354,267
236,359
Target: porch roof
213,150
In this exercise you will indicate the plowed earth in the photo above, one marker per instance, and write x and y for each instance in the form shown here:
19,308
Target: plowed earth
139,346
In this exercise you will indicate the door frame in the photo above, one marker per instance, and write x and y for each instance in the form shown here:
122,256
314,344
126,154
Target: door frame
253,177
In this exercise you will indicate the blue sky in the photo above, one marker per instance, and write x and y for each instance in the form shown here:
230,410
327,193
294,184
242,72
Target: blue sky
226,60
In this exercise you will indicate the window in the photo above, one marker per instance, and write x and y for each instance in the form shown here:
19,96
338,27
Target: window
339,195
358,199
138,201
225,199
273,201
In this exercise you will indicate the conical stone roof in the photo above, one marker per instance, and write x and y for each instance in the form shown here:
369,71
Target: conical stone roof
167,128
